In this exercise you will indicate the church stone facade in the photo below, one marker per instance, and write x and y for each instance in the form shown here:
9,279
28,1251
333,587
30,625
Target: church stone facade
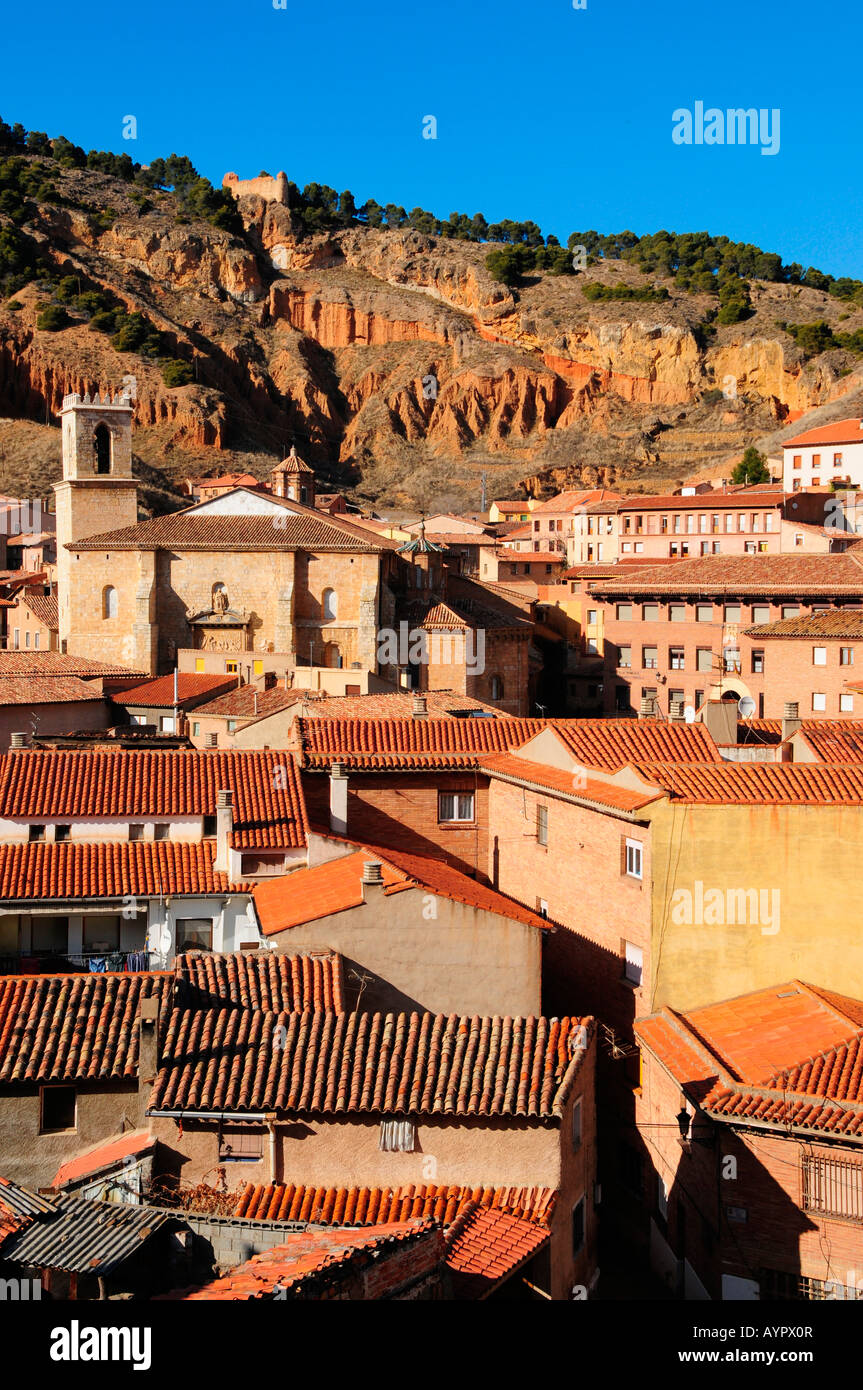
242,572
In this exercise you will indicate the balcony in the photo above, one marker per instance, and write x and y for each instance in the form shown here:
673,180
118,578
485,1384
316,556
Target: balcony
71,963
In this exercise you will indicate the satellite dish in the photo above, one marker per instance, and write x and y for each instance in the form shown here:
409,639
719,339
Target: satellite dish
746,707
689,714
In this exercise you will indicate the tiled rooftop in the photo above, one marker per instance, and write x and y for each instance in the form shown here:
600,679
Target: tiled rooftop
609,743
510,765
362,1063
743,574
268,802
789,1056
770,784
259,980
839,432
297,529
408,743
106,1155
110,869
43,606
336,886
838,623
30,664
47,690
159,693
368,1206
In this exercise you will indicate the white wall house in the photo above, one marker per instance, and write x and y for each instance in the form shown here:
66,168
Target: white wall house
819,457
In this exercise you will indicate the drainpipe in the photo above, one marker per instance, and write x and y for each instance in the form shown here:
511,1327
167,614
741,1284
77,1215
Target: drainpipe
274,1148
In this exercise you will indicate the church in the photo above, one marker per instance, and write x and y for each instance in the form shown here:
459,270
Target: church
245,571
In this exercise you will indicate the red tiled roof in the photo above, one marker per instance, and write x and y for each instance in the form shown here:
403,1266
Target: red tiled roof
259,980
303,1256
110,869
297,529
744,574
572,501
408,743
838,623
46,690
363,1063
396,704
269,809
487,1246
138,1141
249,702
704,501
532,556
159,693
834,744
840,432
41,605
770,784
510,765
788,1056
512,506
609,743
369,1206
336,886
32,664
228,480
73,1027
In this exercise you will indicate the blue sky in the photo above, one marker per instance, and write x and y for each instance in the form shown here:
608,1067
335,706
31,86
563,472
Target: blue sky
542,111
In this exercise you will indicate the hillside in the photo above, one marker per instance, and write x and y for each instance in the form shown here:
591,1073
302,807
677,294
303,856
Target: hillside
324,339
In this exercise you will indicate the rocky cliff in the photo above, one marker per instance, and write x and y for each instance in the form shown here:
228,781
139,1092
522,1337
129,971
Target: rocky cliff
393,360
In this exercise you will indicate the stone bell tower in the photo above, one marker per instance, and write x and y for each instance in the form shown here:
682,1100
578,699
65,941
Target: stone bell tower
98,492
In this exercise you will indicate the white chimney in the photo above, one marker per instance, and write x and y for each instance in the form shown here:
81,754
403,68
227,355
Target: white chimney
373,880
224,826
338,800
420,707
791,720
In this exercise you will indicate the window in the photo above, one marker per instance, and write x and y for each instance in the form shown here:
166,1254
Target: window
57,1106
209,827
633,963
791,610
732,612
673,695
704,658
542,825
196,729
102,449
232,667
109,602
257,668
819,656
231,726
837,460
624,656
633,858
35,833
167,724
591,616
704,612
576,1125
676,658
650,612
750,548
797,461
195,931
497,688
241,1146
161,831
833,1186
62,833
816,460
27,638
398,1136
649,658
819,701
36,640
846,656
101,934
200,663
624,612
578,1227
661,1196
761,612
136,831
330,604
758,661
677,612
455,806
16,638
846,704
731,658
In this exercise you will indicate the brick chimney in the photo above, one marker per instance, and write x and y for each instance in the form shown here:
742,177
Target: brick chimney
148,1042
791,720
224,826
338,800
373,880
420,709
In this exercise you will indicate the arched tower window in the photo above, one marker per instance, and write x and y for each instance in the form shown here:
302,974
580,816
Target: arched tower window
496,688
330,604
109,602
102,448
333,656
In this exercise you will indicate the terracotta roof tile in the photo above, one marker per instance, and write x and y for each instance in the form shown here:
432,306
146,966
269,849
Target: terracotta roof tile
24,663
837,742
744,574
110,869
510,765
160,692
408,743
610,743
43,606
306,895
94,1160
46,690
839,622
269,809
368,1206
303,529
259,980
769,784
488,1247
362,1063
839,432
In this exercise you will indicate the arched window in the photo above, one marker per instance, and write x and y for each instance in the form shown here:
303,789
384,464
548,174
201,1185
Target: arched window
497,688
102,448
333,656
330,604
109,602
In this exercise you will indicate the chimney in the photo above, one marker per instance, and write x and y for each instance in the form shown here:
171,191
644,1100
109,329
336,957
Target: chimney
270,679
338,800
645,709
420,707
224,826
148,1043
18,741
211,740
675,711
791,720
373,880
720,720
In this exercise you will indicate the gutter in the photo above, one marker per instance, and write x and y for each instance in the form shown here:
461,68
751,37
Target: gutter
230,1115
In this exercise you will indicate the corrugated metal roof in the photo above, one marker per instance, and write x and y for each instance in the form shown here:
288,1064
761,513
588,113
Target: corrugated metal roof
22,1201
85,1237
